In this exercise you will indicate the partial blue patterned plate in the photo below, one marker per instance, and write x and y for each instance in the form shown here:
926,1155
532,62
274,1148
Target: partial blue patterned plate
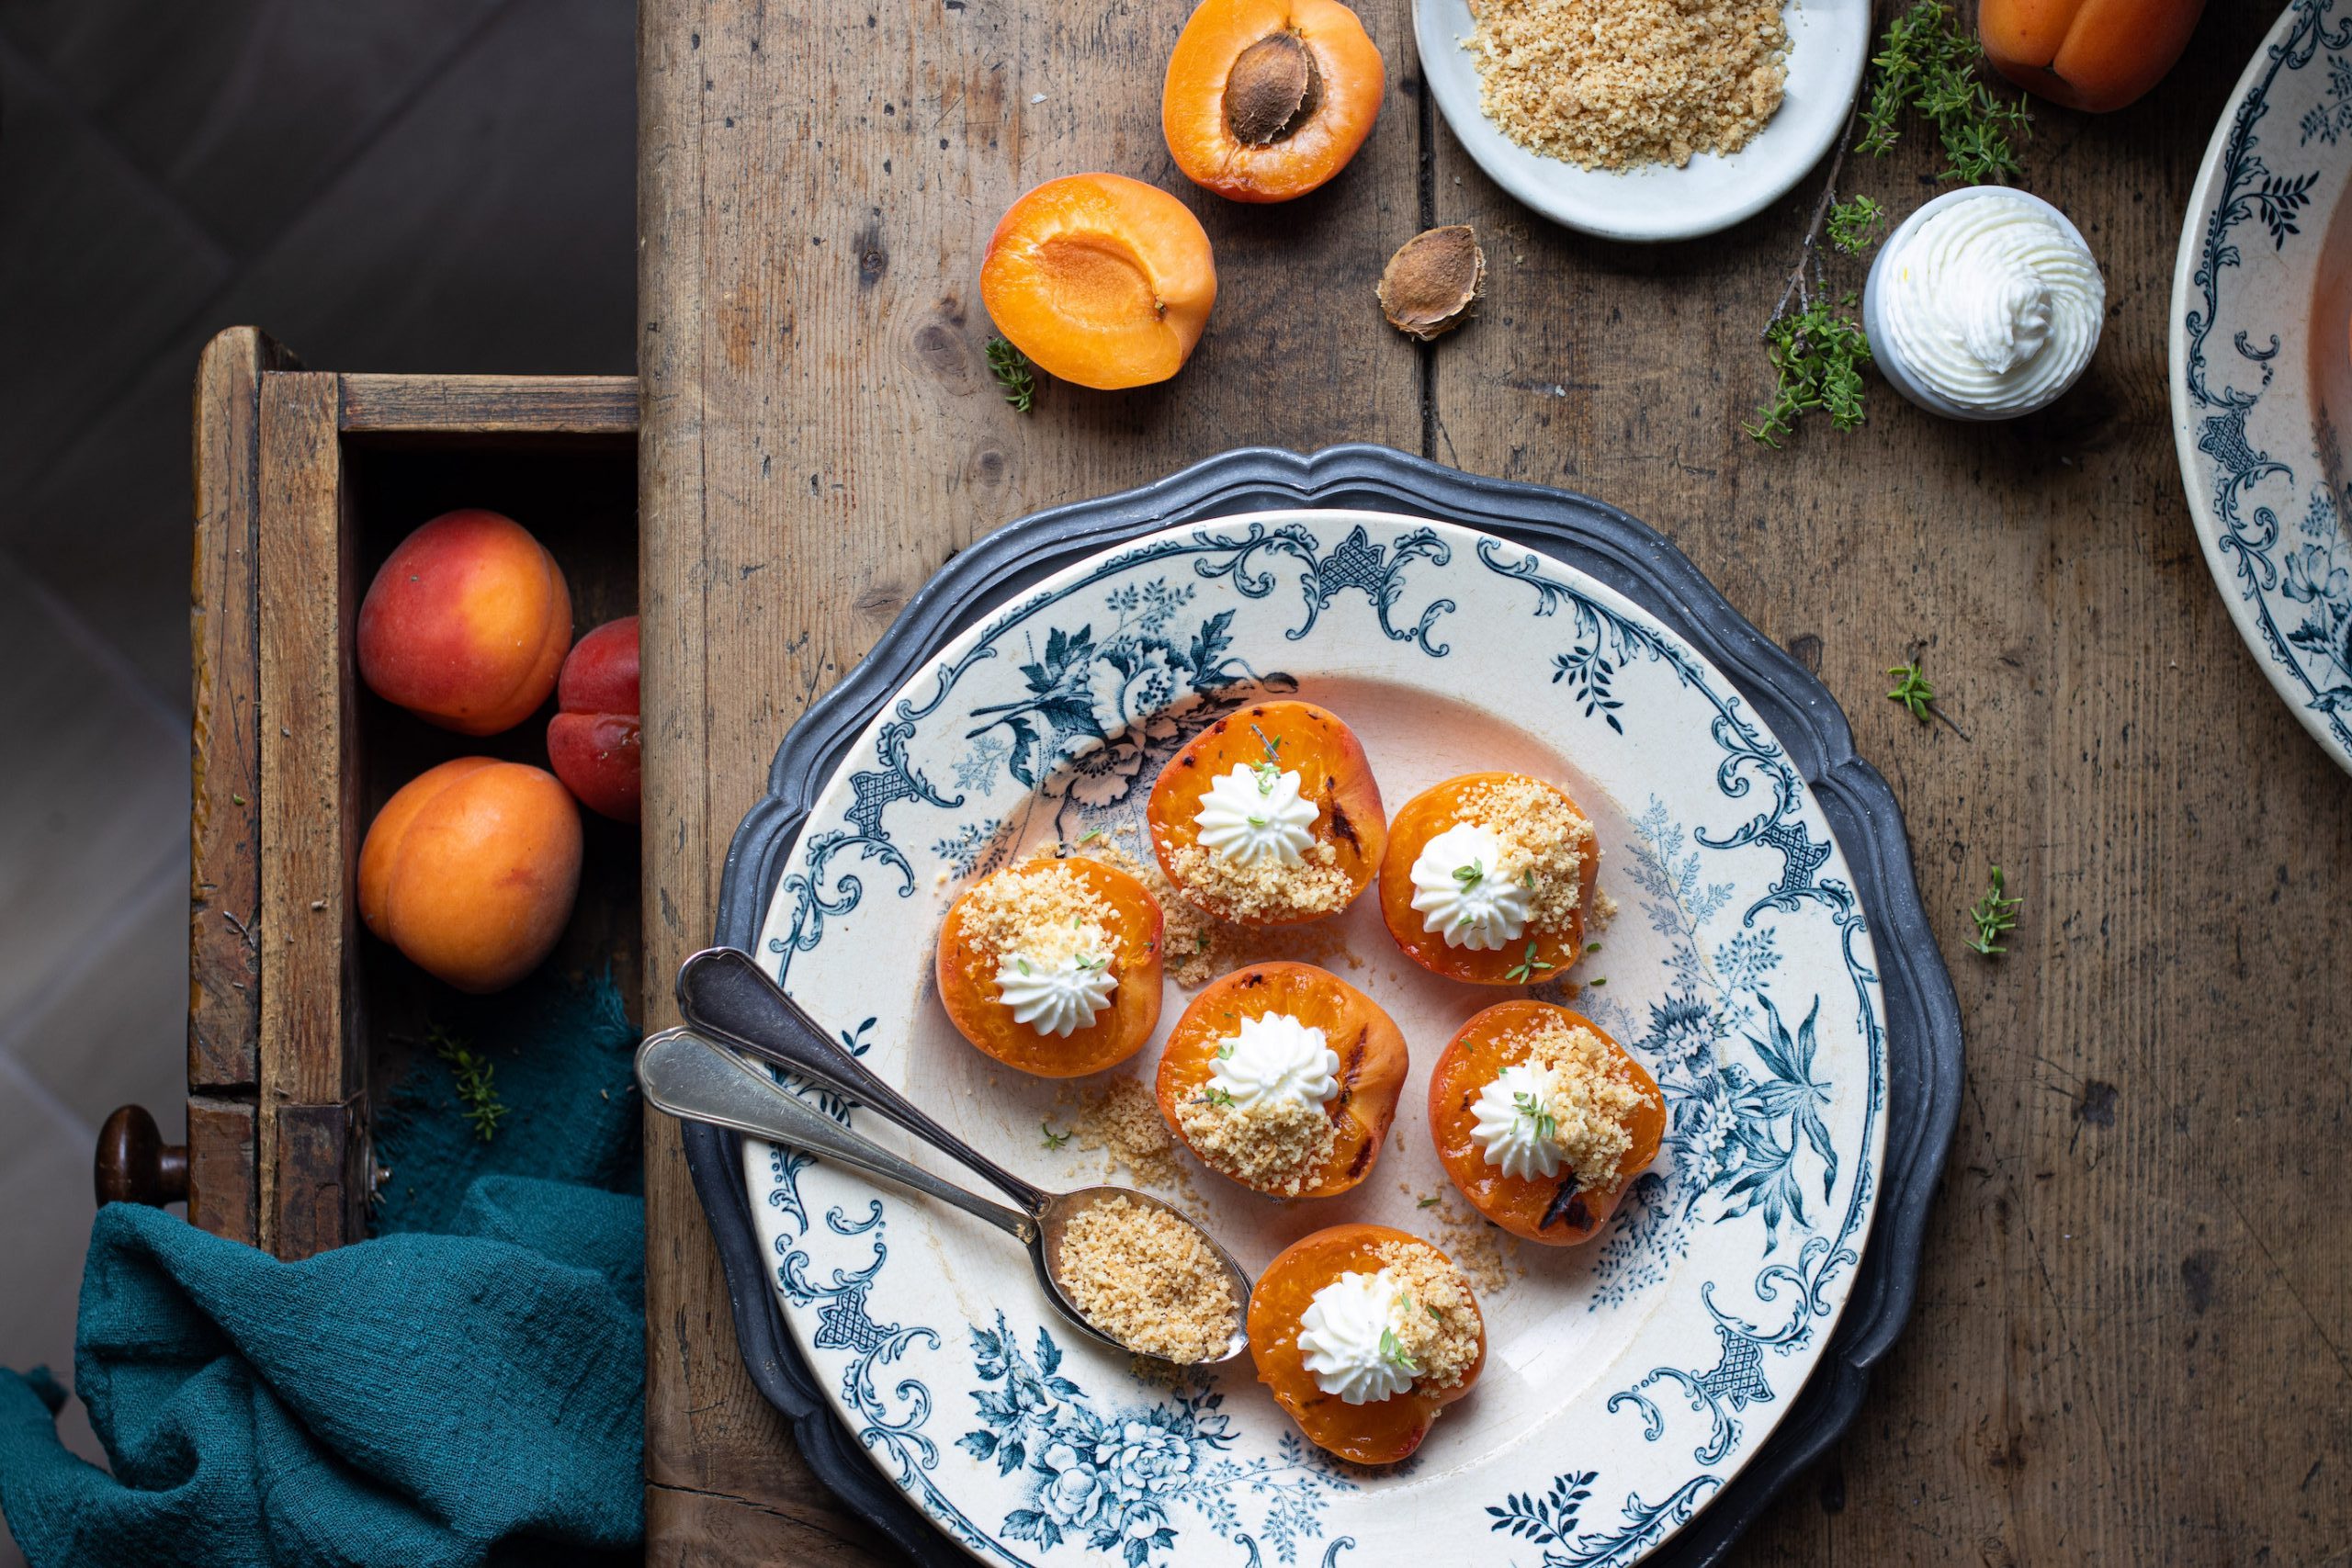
2262,363
1628,1380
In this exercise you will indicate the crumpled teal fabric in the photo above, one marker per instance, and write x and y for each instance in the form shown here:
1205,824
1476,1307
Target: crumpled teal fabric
468,1387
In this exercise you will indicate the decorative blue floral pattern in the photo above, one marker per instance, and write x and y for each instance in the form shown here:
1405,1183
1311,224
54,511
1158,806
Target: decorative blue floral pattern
1074,696
1111,1477
2296,587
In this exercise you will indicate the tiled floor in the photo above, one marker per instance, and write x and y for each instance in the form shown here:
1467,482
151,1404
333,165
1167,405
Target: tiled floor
383,184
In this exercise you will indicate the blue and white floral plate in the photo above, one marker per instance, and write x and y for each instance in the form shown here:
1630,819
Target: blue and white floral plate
1628,1380
2262,363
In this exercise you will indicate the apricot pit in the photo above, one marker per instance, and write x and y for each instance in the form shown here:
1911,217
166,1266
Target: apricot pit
1429,285
1267,99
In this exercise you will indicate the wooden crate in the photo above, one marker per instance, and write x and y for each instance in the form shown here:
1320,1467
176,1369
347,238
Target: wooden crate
298,1021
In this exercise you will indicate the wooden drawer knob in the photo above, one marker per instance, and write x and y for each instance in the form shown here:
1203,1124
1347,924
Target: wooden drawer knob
135,1165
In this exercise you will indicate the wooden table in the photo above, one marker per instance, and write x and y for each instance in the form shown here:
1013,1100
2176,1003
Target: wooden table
2132,1331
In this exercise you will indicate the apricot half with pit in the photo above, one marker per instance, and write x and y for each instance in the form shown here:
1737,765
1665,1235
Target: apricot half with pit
1100,280
1267,99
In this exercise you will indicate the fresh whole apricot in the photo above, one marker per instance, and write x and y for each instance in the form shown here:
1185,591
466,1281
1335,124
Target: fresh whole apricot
593,741
466,624
470,870
1100,280
2096,55
1267,99
1382,1432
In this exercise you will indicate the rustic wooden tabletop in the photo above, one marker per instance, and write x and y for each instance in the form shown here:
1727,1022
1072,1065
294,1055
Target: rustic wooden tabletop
2130,1345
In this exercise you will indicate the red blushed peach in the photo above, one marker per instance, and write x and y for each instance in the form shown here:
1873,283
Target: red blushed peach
470,870
466,624
594,742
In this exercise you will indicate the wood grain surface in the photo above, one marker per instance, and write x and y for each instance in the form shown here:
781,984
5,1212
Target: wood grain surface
2131,1341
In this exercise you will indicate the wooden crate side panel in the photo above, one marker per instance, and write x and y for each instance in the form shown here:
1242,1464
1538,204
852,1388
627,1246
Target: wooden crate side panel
490,405
309,818
222,1194
224,822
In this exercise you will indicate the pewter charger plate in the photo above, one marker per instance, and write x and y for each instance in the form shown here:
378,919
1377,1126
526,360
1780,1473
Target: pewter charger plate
1632,1380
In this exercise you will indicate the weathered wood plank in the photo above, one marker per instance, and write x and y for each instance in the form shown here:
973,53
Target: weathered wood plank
2134,1256
223,1191
819,429
224,821
309,798
490,405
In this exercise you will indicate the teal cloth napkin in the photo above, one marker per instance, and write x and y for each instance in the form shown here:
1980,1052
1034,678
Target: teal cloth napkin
468,1387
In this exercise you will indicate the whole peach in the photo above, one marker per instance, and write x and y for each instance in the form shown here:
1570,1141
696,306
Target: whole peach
593,741
470,870
466,624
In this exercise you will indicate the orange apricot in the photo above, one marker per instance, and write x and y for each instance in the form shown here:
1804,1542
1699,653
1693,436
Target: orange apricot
1102,280
1565,1209
470,870
1542,953
1381,1432
1334,776
2096,55
466,624
975,1002
1370,1047
1267,99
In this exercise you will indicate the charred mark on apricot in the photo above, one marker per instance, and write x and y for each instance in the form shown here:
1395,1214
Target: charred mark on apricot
1341,825
1566,1203
1254,978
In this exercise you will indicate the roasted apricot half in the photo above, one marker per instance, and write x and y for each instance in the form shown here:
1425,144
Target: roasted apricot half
1426,1340
1283,1078
1053,965
1270,816
1486,878
1100,280
1266,99
1524,1096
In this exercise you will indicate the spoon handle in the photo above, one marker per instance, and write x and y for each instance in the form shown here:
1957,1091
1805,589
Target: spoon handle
688,1077
724,993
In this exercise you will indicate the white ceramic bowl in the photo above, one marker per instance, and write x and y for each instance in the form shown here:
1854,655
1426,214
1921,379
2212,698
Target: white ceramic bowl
1900,375
1829,44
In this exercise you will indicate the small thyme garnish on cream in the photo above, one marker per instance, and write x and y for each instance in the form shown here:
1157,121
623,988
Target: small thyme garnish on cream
1217,1096
1392,1350
1548,1126
1474,873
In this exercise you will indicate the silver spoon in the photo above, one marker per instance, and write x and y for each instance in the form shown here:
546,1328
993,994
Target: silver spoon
729,998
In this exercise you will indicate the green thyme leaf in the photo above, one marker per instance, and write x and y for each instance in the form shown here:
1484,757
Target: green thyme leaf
1472,874
1053,1140
1013,374
1392,1350
1818,355
1431,1201
1927,61
1525,971
1911,689
1854,225
474,1077
1994,915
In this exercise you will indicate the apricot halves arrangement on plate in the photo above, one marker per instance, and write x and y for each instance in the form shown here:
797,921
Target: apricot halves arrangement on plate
1267,99
1283,1078
1487,879
1053,965
1100,280
1268,816
1541,1119
1364,1333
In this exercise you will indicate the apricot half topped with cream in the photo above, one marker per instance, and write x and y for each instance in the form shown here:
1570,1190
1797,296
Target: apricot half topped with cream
1270,816
1266,99
1486,878
1364,1333
1541,1120
1053,965
1283,1078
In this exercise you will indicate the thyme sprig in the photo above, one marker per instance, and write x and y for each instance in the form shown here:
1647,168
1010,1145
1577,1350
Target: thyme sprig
1547,1126
476,1081
1054,1140
1994,915
1013,374
1854,225
1817,357
1912,690
1927,61
1393,1352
